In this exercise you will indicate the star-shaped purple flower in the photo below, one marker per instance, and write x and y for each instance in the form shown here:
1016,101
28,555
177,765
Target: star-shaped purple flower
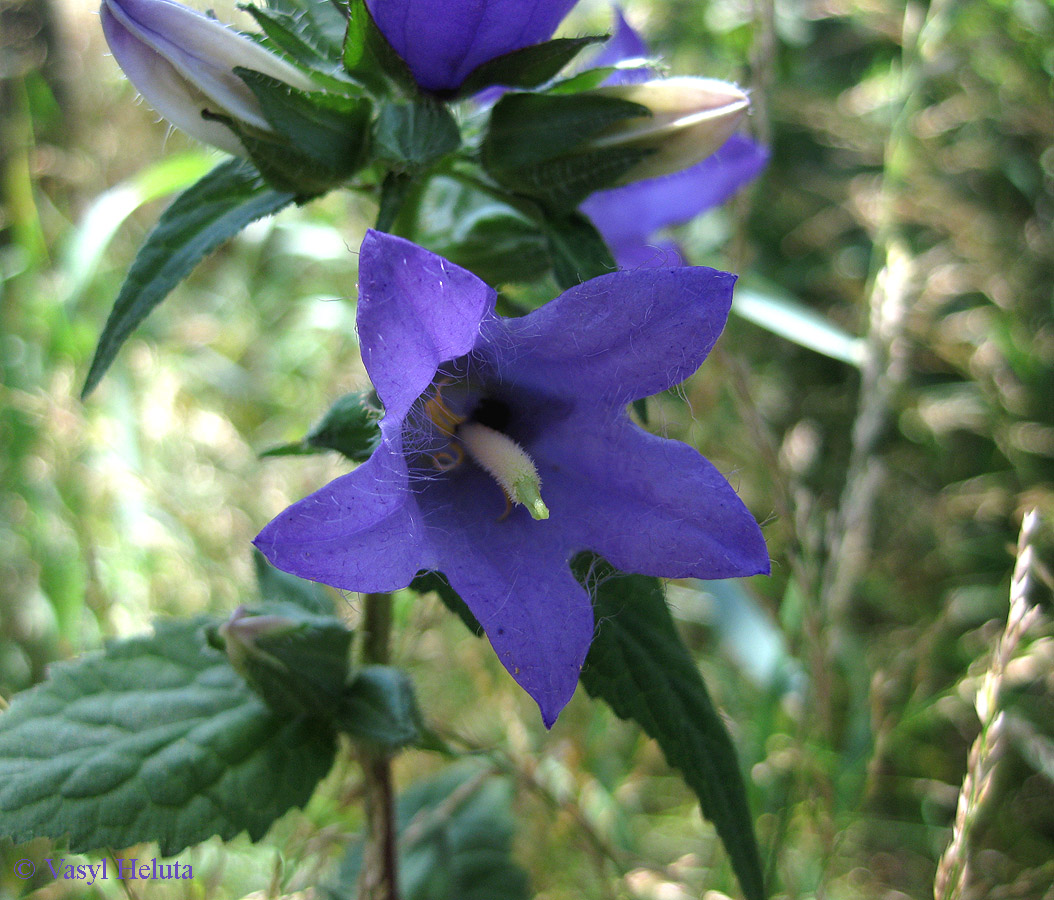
628,217
442,41
554,385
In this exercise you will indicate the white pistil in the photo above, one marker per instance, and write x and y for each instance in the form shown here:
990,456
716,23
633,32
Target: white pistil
508,463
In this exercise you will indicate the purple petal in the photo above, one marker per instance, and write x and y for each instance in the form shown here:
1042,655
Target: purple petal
514,576
647,504
360,532
620,336
443,41
416,311
628,216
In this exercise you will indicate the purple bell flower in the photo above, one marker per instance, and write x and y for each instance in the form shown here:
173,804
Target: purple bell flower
627,217
442,41
506,449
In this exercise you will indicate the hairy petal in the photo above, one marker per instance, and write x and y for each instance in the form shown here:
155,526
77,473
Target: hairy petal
620,336
628,216
514,576
647,504
443,41
416,311
361,532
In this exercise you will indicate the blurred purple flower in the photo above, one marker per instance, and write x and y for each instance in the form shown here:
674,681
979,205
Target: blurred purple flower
442,41
183,63
629,216
554,386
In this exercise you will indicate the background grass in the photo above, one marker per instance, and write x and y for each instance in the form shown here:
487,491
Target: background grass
909,202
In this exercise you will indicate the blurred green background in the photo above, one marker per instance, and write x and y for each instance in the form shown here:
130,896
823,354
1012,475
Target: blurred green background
909,203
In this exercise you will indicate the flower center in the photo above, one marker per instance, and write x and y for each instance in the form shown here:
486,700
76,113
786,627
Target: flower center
480,435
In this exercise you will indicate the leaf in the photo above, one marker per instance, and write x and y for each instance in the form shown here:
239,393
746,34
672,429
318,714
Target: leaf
639,666
369,58
219,206
379,706
789,319
529,66
351,427
526,129
318,22
276,587
413,135
155,739
330,129
578,251
456,835
296,34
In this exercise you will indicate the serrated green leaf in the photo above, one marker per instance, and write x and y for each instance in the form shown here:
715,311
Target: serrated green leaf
155,739
214,209
283,166
416,134
456,835
351,426
330,129
276,586
320,22
379,706
529,66
577,249
639,666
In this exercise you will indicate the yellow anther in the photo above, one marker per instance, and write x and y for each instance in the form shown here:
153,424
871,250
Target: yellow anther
439,413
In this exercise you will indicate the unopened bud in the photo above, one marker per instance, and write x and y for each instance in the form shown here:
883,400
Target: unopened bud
691,119
183,64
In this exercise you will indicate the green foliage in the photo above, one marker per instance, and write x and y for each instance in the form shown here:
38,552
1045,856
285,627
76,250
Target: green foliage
528,67
350,426
639,666
413,135
156,739
329,129
217,207
578,251
455,834
379,707
538,145
369,58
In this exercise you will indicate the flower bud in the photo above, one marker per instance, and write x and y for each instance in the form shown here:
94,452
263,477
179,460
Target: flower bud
183,64
691,119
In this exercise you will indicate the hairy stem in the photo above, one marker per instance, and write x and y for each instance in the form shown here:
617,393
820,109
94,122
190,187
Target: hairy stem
378,879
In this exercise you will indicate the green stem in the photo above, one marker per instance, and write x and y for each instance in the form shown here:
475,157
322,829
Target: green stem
378,879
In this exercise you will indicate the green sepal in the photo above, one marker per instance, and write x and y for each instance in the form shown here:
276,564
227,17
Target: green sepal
297,35
156,738
298,662
320,23
455,841
639,666
331,130
204,216
351,427
578,251
527,67
538,145
412,135
370,59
